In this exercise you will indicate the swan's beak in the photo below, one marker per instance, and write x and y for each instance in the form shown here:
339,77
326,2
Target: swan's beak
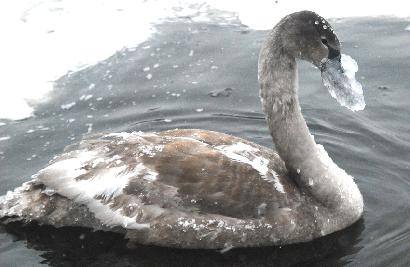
338,76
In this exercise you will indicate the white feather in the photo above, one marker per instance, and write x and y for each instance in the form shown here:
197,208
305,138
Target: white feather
106,183
245,153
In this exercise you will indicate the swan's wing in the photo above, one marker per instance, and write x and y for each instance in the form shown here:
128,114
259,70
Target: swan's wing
222,174
130,180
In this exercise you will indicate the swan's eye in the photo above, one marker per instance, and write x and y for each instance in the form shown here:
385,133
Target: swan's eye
324,41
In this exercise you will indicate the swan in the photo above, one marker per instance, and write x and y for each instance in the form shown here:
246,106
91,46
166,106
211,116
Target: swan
192,188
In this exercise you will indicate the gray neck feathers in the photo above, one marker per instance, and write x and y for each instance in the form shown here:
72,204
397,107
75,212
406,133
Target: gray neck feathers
277,72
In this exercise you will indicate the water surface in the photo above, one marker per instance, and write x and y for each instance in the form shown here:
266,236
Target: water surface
205,76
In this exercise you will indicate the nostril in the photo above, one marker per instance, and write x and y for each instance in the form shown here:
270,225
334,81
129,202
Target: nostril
333,53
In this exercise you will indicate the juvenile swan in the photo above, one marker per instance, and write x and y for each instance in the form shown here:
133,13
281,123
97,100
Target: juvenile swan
203,189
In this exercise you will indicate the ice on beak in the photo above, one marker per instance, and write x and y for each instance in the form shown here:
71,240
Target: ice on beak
339,79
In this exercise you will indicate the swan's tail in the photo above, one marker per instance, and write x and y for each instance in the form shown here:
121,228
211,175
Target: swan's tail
34,202
15,204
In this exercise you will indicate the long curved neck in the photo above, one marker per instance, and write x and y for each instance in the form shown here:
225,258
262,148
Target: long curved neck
313,171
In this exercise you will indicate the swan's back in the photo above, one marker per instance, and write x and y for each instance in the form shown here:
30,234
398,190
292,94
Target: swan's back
184,188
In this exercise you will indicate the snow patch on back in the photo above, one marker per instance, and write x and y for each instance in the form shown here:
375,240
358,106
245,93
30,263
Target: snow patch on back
242,153
247,154
145,148
276,183
126,135
146,173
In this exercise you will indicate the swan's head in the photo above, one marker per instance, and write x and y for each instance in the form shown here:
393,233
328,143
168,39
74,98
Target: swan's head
308,36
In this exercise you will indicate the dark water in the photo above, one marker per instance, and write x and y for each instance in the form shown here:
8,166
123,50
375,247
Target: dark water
373,145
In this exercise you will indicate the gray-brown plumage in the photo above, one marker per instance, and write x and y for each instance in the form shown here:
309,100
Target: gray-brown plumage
203,189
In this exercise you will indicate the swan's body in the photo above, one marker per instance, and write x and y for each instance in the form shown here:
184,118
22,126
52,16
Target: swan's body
203,189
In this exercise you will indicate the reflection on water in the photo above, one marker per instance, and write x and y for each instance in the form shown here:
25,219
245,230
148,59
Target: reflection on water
81,246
